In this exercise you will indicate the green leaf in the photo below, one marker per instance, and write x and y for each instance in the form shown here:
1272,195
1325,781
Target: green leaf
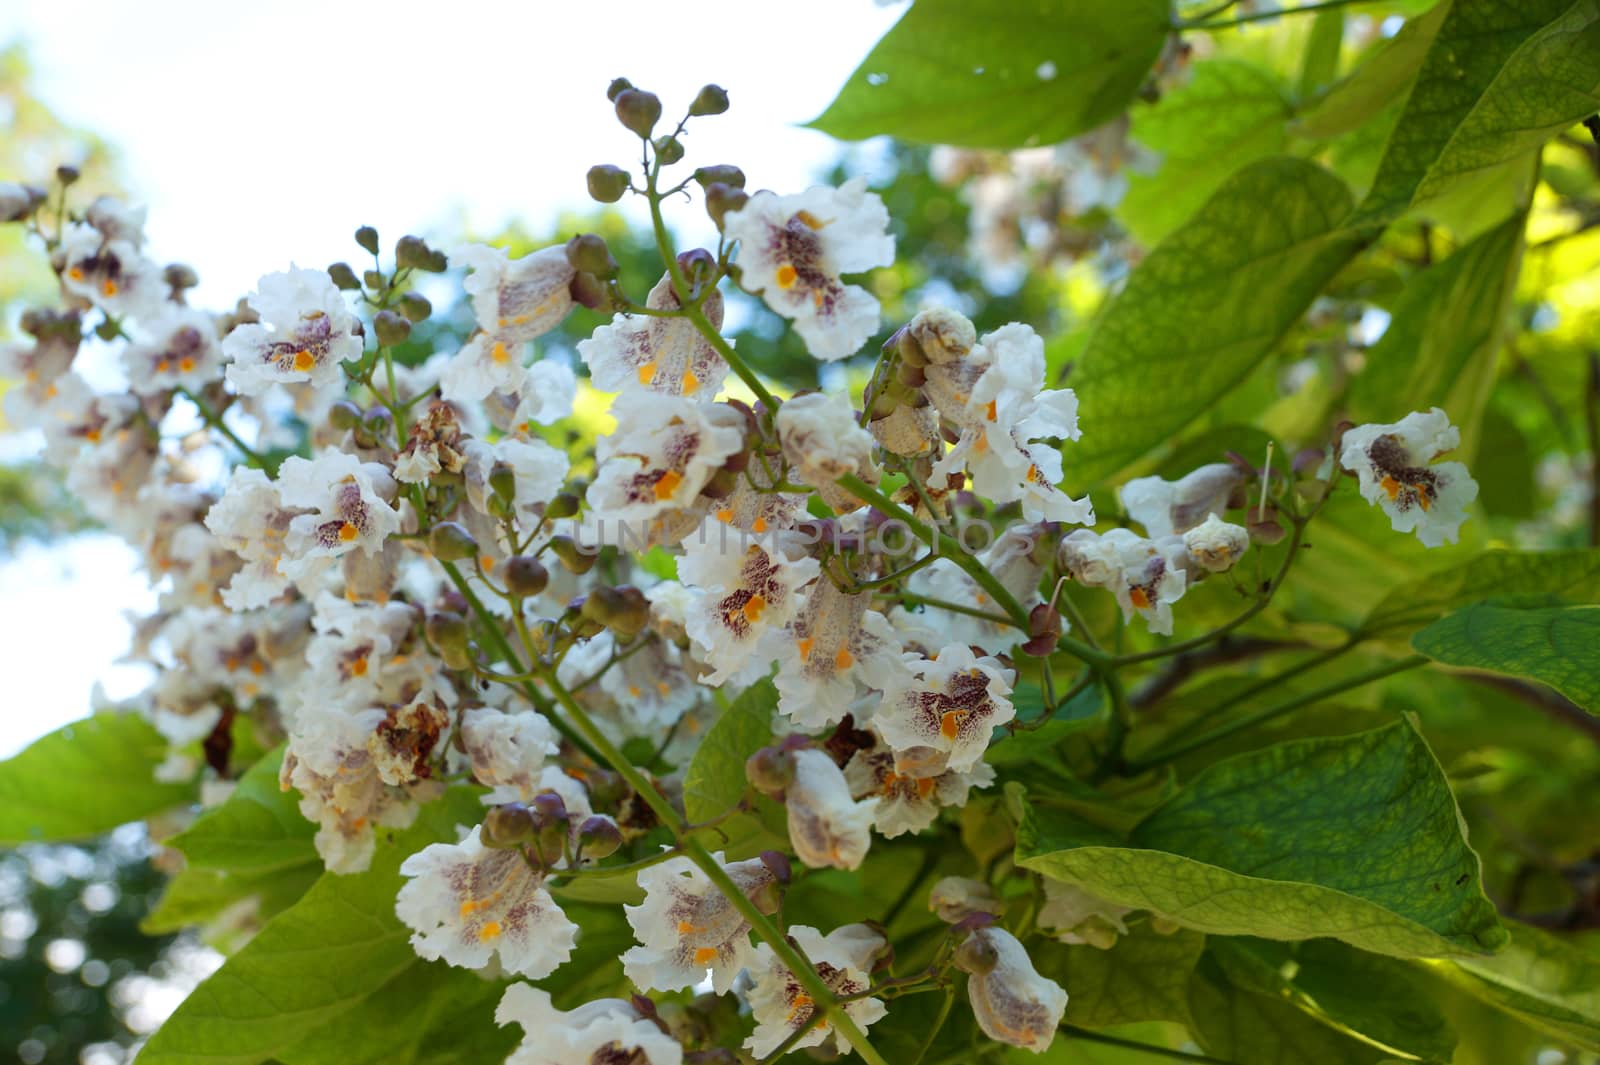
1501,77
1204,308
1144,977
1231,113
1573,575
1446,333
201,896
992,74
1323,47
1354,837
1554,645
1383,75
715,780
256,830
44,792
1243,1026
1548,982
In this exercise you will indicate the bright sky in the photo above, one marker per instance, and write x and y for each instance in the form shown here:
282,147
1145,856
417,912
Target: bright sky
260,134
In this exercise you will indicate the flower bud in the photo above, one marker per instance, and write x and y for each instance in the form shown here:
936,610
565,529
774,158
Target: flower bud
572,557
943,335
770,770
16,202
525,575
590,291
728,175
507,825
623,609
1267,529
955,898
344,415
599,837
977,955
391,328
374,279
343,277
564,505
712,100
179,276
449,632
607,183
68,175
722,198
638,110
378,420
450,542
699,266
617,87
367,237
415,307
503,481
412,253
768,895
550,807
587,253
778,865
668,149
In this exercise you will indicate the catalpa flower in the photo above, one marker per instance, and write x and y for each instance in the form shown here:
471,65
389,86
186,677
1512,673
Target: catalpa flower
1168,507
345,509
251,520
1080,919
780,1003
516,300
822,441
507,751
836,643
467,904
180,351
827,827
687,926
907,803
1395,466
1215,545
662,355
1012,561
306,331
741,593
793,249
1010,1000
664,451
110,273
77,415
606,1031
1147,576
37,367
952,704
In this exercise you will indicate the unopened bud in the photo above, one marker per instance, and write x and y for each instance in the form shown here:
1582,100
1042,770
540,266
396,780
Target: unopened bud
550,807
378,420
343,277
976,955
942,335
180,277
16,203
617,87
374,279
415,307
344,415
564,505
699,266
451,542
572,557
778,865
412,253
668,149
447,630
525,575
507,825
722,198
724,173
590,292
599,837
607,183
712,100
391,328
68,175
1266,530
638,110
503,481
770,771
587,252
367,237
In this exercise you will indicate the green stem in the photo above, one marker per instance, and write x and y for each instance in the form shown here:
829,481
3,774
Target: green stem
937,1026
913,599
215,421
1160,757
1261,16
1072,1031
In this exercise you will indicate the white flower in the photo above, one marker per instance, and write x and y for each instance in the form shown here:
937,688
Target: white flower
1147,576
663,355
116,220
907,803
1011,1001
305,332
792,250
345,509
77,415
826,826
1393,465
37,367
517,300
836,643
251,521
180,351
664,451
1168,507
545,396
781,1004
741,592
951,704
606,1031
538,471
485,364
467,903
955,898
1079,918
1011,560
507,750
1215,545
686,926
109,273
822,441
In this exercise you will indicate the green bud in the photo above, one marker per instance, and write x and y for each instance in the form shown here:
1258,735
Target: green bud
437,262
564,505
575,560
391,328
503,481
607,183
599,837
450,542
731,176
699,266
712,100
589,291
770,771
668,149
367,237
108,329
768,897
638,110
722,198
68,175
550,807
180,277
378,420
415,307
976,955
413,253
587,252
507,825
446,629
525,575
374,279
344,415
617,87
343,277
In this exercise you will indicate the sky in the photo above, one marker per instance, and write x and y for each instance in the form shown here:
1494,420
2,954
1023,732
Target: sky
261,135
